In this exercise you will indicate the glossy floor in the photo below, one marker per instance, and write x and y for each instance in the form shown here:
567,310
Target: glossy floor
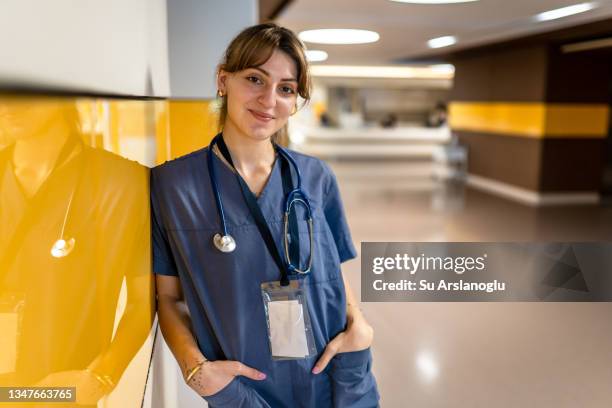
472,355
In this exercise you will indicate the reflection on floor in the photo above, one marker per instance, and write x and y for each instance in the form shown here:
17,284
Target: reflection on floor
477,354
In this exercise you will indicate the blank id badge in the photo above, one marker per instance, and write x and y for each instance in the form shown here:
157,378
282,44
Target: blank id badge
289,328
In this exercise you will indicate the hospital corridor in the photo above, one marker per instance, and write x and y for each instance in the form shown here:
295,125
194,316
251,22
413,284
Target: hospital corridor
306,203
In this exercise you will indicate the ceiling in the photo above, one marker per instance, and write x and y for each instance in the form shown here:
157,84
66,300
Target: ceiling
405,28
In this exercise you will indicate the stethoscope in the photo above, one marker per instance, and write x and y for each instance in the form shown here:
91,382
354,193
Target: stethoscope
224,242
63,246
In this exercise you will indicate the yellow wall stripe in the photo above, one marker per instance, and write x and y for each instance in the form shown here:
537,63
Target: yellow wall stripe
570,120
537,120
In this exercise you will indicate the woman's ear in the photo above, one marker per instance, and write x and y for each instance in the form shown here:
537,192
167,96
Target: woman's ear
222,82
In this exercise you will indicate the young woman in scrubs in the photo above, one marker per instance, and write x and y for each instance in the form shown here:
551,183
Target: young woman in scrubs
210,303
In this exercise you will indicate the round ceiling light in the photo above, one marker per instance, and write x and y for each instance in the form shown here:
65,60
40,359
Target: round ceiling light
339,36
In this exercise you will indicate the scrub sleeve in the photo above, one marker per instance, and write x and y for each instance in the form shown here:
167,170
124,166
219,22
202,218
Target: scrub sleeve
163,262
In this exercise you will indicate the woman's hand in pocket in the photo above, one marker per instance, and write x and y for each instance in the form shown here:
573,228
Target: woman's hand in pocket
357,336
216,375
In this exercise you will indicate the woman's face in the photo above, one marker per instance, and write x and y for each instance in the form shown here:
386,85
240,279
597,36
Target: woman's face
260,100
29,117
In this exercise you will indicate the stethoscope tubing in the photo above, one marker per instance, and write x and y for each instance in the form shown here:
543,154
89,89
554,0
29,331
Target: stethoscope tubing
296,195
216,190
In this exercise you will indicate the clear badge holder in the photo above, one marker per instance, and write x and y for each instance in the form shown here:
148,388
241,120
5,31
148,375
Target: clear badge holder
289,327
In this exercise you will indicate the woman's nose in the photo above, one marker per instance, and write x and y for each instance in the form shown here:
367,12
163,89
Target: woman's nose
268,97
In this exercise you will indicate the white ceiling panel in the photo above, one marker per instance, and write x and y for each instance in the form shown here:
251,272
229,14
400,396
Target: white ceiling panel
405,28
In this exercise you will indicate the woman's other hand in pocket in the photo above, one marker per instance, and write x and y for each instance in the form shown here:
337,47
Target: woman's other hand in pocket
357,336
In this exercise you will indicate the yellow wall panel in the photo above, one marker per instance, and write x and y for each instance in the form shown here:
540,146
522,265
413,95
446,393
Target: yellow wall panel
76,289
79,313
191,126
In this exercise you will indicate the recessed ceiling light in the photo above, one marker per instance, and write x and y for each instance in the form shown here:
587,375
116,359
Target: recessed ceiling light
434,1
443,69
316,55
399,72
565,11
441,41
339,36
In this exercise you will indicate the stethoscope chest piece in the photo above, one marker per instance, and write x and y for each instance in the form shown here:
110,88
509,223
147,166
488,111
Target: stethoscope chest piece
62,247
224,243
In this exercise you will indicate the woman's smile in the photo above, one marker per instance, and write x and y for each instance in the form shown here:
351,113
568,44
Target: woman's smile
261,116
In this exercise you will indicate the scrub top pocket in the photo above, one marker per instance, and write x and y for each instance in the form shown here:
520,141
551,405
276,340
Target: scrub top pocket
353,384
236,395
325,263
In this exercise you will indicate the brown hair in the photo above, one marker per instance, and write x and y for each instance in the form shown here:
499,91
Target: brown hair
253,47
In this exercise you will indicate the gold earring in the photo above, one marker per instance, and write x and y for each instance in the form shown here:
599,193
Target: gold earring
219,93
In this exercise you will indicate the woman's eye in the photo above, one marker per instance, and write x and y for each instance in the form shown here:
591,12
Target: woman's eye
254,80
287,90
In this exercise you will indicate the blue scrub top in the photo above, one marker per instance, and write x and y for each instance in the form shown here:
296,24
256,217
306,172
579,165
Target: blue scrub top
222,290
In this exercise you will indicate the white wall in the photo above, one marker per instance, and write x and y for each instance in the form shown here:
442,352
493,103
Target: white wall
198,33
127,47
110,46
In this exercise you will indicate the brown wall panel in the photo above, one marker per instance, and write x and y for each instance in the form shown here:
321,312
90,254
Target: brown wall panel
572,164
510,159
538,72
510,75
581,77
